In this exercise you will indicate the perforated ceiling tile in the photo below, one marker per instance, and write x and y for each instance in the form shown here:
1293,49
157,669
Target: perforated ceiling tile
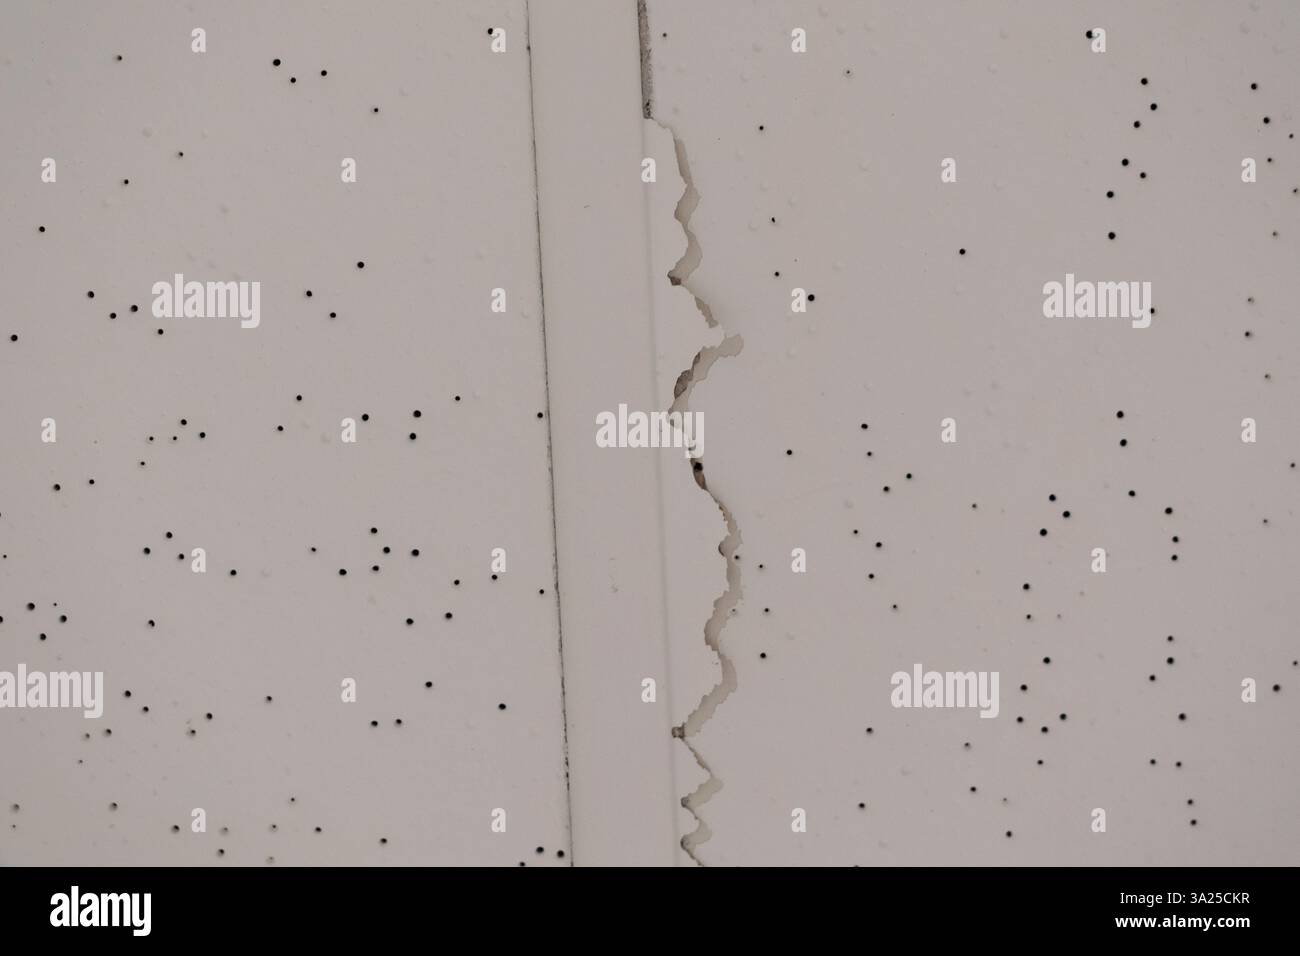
648,433
931,475
309,545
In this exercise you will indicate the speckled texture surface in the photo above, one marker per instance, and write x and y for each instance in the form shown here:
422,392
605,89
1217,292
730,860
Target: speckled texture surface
828,537
443,211
825,167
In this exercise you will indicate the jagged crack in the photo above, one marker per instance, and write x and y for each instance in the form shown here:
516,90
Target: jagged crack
726,602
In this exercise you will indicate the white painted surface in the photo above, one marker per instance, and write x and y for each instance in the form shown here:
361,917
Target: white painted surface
904,332
443,212
521,170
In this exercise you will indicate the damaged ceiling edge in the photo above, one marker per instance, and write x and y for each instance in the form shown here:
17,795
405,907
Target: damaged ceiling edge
639,535
686,579
693,576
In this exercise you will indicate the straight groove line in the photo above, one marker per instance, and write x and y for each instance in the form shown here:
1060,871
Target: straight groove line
550,458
